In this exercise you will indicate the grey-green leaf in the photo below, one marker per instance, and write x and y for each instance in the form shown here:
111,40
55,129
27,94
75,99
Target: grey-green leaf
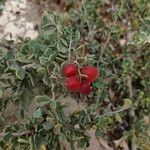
42,100
127,103
61,47
20,140
38,113
43,60
20,73
48,125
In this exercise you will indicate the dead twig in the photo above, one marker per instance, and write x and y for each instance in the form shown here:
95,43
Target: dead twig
18,134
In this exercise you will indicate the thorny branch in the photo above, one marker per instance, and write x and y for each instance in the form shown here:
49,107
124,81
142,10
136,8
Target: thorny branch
17,134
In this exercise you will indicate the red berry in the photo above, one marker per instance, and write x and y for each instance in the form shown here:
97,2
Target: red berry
73,84
91,72
85,88
70,70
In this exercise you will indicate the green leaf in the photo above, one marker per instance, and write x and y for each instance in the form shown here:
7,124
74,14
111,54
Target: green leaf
32,145
52,57
20,73
63,42
118,117
20,140
48,52
47,80
127,103
44,99
7,137
99,133
43,60
35,48
14,66
38,113
24,48
77,38
1,54
48,23
42,147
10,56
22,58
41,70
92,109
62,136
62,56
84,143
102,122
53,104
31,79
57,128
38,140
115,29
61,47
84,119
2,144
47,125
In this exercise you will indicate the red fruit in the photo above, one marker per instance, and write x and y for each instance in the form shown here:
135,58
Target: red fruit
70,70
72,84
91,72
85,88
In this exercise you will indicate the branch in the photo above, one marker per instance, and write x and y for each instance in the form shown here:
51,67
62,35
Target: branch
17,134
113,112
129,84
28,132
25,67
69,50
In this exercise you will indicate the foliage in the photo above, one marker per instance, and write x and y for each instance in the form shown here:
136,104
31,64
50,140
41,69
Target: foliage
89,32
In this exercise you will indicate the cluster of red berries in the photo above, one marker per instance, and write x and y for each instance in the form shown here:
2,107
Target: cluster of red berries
79,82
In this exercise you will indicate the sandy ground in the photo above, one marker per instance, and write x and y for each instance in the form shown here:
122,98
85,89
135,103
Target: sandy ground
20,19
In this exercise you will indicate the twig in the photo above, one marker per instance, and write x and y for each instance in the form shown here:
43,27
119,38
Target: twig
69,50
113,112
129,84
28,132
53,91
25,67
17,134
131,111
98,97
79,47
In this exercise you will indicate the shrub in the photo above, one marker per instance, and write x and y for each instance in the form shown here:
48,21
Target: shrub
88,33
